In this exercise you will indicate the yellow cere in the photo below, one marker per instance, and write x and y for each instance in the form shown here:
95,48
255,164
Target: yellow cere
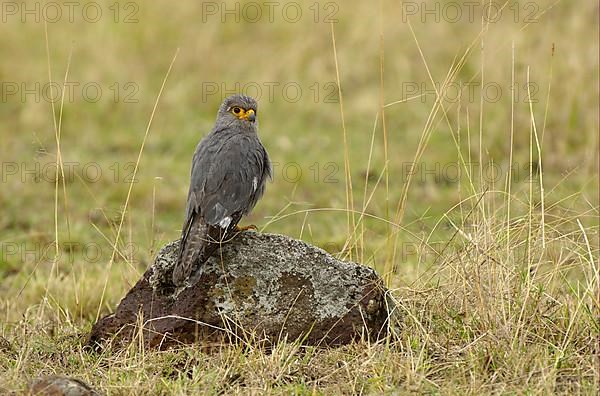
247,114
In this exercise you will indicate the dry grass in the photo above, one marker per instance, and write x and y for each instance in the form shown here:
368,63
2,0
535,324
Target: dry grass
495,276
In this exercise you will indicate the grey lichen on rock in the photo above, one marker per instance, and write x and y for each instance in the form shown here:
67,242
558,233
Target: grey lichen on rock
268,285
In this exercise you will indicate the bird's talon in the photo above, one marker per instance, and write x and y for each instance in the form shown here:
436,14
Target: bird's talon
246,228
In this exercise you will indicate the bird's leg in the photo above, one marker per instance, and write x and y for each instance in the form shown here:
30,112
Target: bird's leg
246,228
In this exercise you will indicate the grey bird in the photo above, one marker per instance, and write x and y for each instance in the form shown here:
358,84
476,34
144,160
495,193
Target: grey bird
230,168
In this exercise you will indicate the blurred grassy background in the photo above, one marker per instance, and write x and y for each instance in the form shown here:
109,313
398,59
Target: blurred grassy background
127,51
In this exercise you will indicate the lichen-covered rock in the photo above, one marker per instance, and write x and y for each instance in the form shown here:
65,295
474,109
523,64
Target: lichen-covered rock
260,287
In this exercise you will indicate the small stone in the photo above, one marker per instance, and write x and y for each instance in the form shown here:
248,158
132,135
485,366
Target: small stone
258,287
60,386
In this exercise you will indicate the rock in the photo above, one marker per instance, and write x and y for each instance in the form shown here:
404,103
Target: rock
60,386
259,287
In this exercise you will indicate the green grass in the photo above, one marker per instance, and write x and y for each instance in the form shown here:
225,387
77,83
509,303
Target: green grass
496,277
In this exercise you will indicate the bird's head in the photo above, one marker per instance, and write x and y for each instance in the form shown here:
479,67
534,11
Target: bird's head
238,109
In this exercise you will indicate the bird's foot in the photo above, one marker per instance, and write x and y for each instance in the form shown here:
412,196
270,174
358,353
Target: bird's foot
246,228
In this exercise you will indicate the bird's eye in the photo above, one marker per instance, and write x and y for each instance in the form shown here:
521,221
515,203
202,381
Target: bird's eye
236,110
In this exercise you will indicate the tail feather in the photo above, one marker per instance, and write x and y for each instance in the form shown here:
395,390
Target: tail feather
199,243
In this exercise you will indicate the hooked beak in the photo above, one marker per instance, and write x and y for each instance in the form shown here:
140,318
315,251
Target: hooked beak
250,115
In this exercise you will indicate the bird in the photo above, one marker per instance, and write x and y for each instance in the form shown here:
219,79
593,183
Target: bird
230,168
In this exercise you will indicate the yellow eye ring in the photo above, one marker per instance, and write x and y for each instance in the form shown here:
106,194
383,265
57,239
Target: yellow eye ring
236,110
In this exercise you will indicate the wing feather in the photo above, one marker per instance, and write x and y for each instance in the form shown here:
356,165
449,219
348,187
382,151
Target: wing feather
228,176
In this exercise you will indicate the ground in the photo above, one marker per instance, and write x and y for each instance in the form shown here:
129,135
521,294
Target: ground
451,146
